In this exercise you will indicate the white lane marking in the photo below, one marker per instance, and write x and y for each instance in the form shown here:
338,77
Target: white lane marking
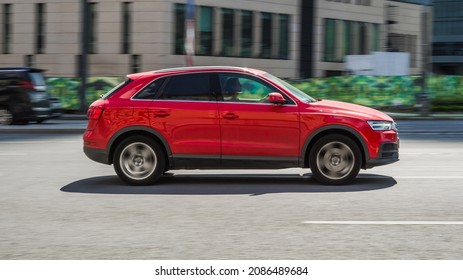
13,154
383,222
427,177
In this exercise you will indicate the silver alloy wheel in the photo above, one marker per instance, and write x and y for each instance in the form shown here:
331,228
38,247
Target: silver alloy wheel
6,117
138,161
335,160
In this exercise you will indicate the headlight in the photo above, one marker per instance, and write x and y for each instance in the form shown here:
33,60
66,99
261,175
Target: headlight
382,125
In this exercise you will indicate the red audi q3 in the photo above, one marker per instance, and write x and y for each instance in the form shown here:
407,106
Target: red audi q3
230,117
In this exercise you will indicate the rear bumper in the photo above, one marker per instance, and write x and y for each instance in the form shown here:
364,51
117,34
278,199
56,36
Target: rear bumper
388,153
97,155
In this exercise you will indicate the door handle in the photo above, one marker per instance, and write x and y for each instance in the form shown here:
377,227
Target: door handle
161,113
230,116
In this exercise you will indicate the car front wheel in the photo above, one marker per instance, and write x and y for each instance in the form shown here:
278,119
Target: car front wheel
139,160
335,160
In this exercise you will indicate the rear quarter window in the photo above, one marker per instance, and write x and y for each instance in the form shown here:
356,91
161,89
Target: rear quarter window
116,89
151,90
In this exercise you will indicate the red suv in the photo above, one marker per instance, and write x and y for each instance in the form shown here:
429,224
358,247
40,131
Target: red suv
230,117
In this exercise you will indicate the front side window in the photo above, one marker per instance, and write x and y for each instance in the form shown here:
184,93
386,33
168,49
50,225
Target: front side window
194,87
242,88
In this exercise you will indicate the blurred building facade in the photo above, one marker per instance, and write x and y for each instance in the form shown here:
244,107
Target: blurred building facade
291,38
448,37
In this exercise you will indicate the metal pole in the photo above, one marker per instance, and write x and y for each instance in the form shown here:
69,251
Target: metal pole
83,63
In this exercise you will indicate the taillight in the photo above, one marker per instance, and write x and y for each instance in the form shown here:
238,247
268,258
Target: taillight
27,85
94,113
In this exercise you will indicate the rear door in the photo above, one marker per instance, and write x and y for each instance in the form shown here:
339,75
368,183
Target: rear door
185,112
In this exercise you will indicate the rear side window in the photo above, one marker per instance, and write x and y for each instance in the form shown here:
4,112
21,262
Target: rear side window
10,78
194,87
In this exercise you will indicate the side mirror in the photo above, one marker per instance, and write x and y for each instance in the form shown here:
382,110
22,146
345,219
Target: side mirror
276,98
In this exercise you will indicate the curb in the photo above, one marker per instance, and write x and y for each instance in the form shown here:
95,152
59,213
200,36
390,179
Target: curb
43,130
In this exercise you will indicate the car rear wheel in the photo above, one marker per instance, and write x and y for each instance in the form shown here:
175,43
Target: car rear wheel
6,116
335,160
139,160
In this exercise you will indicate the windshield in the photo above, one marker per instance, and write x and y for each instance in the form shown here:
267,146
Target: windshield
302,96
37,79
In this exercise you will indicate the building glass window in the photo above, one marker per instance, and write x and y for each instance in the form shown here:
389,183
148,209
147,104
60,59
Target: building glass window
7,27
283,46
126,27
228,29
135,63
330,40
93,28
40,28
266,38
343,37
354,42
29,60
247,26
205,30
347,38
363,38
179,29
375,35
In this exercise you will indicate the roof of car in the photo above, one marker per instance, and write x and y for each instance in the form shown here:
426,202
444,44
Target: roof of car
196,69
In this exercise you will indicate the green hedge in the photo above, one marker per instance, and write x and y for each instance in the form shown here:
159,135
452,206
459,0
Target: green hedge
398,93
67,90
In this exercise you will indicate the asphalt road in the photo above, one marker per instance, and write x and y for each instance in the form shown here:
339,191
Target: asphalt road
57,204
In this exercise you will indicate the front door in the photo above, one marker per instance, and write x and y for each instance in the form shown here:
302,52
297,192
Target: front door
254,131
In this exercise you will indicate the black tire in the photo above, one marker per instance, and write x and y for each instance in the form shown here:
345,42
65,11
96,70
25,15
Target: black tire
139,160
335,160
6,116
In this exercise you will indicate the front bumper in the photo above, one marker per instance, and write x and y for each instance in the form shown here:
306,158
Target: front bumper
388,153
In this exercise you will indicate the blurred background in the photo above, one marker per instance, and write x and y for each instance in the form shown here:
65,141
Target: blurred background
403,56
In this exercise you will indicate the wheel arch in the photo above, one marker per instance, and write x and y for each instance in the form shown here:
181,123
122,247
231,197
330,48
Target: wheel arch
335,129
139,130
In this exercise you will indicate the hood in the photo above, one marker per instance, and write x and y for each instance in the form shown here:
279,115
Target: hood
348,109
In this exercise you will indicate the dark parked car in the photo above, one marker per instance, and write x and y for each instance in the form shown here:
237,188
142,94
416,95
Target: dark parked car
24,96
